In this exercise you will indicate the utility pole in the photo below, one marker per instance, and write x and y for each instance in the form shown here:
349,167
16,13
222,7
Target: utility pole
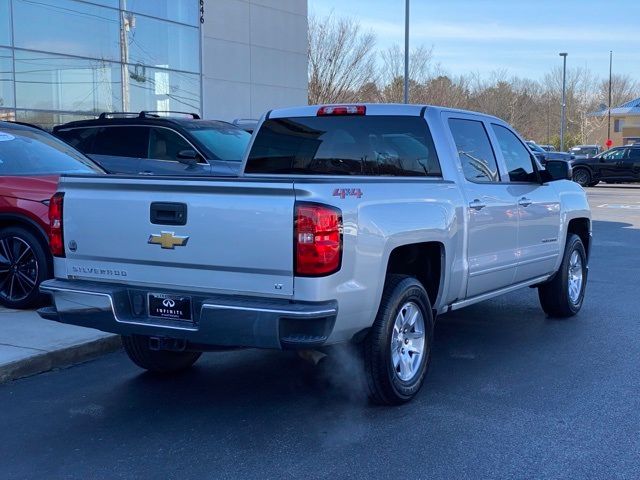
610,82
127,21
564,99
548,118
406,52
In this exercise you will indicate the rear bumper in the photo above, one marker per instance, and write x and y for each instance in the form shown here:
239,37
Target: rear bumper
219,320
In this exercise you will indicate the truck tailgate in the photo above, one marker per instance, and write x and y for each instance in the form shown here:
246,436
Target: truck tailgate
237,235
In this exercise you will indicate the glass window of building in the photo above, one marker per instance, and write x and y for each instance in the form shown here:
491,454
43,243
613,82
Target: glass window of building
48,120
163,90
68,27
54,82
176,11
157,43
6,78
108,3
63,60
5,23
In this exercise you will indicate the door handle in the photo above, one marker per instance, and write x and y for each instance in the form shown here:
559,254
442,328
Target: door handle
477,205
524,202
146,172
165,213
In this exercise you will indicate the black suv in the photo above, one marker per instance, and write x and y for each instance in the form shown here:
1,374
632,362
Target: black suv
151,143
620,164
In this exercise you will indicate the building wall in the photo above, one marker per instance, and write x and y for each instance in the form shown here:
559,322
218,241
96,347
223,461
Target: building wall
254,56
630,130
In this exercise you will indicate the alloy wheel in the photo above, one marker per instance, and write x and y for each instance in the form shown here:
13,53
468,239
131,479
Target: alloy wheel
575,277
18,269
408,342
581,177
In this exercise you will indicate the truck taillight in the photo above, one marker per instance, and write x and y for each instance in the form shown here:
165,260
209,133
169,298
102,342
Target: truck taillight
56,239
318,240
342,110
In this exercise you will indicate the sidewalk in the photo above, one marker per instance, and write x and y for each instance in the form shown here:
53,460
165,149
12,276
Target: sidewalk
31,345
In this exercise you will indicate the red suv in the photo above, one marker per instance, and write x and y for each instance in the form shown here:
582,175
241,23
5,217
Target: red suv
31,161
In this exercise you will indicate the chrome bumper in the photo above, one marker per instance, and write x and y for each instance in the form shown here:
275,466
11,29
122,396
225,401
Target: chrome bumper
219,320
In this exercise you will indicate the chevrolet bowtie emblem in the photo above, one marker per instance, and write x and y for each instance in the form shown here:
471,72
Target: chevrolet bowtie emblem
168,240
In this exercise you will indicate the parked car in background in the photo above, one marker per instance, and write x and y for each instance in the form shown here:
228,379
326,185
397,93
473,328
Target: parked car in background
149,143
31,161
351,224
619,164
247,124
548,148
585,151
542,155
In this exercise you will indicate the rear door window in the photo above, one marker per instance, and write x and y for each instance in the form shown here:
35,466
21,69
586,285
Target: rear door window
120,141
345,145
474,150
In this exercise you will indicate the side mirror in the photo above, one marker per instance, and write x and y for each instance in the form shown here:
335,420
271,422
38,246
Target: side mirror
188,157
558,170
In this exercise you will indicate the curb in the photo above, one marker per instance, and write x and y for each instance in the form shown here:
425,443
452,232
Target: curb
64,357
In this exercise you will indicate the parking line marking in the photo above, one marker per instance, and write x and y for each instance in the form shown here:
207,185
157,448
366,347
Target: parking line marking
620,206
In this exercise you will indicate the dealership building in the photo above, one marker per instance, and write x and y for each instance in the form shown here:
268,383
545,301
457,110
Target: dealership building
63,60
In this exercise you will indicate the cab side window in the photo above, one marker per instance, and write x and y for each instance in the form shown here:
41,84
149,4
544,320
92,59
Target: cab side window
164,144
516,156
475,151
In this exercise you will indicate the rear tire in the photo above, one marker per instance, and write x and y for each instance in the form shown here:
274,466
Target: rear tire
594,183
397,350
157,361
582,177
24,263
563,296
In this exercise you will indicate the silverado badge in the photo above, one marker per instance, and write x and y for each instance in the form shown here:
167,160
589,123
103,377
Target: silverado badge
168,240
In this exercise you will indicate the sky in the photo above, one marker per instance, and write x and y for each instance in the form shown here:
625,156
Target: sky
521,37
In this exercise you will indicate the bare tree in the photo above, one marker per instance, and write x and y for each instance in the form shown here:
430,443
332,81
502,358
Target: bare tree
341,59
345,67
392,72
623,89
445,91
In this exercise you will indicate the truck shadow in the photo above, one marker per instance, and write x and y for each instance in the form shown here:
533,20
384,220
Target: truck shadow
494,351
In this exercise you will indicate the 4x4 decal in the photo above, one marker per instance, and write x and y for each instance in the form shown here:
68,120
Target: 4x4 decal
347,192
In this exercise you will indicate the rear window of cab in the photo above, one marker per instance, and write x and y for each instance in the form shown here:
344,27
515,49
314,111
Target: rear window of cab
345,145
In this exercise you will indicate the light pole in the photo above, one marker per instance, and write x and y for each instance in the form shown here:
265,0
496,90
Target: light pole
564,102
609,109
406,52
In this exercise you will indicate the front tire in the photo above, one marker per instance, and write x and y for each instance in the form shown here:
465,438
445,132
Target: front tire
397,350
563,296
157,361
24,264
582,177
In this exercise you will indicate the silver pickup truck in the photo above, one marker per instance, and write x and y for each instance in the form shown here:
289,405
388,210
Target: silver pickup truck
350,223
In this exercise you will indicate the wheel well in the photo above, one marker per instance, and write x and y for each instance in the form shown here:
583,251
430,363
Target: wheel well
422,261
581,227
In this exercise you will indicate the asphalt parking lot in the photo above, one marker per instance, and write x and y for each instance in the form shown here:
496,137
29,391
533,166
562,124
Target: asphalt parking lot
510,394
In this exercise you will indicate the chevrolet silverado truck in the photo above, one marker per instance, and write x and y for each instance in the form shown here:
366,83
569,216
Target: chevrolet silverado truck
349,224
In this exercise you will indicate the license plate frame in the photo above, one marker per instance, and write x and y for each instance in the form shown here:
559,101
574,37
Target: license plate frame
167,306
